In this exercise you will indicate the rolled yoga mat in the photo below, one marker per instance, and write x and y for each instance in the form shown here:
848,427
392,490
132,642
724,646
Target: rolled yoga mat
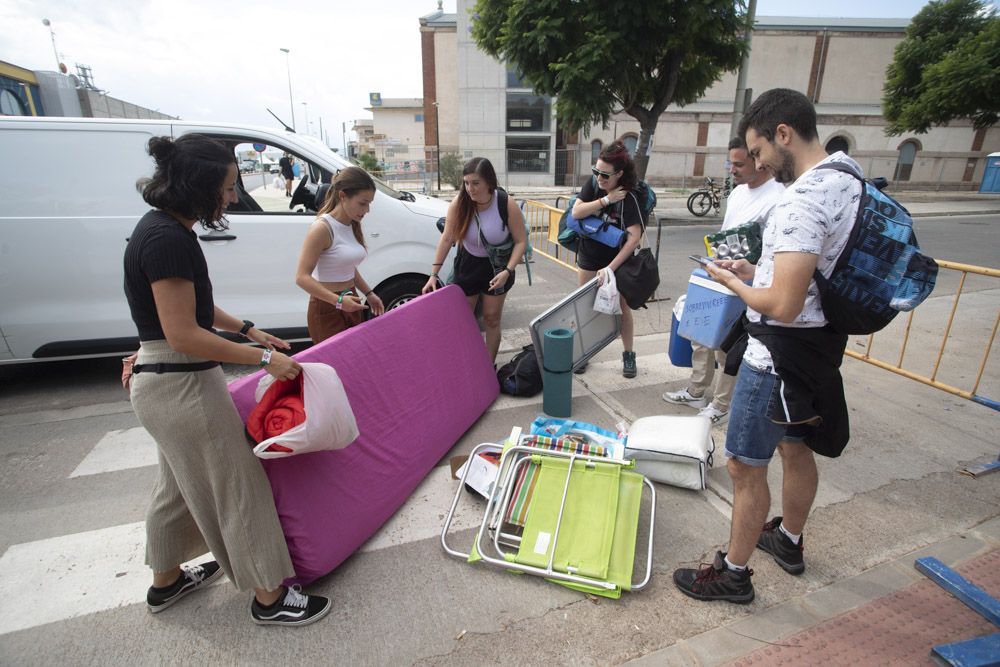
557,378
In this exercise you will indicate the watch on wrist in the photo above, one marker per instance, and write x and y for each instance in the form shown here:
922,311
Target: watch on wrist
247,326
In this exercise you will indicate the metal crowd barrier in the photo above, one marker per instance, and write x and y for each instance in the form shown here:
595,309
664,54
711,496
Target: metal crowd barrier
897,367
972,392
543,226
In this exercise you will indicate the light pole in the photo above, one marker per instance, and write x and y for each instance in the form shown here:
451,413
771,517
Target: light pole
437,141
288,68
48,24
305,106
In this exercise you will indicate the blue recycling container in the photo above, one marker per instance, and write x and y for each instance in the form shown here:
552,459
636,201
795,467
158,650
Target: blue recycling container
710,310
680,348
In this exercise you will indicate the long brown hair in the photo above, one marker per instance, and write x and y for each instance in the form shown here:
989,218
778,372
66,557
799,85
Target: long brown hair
466,207
350,181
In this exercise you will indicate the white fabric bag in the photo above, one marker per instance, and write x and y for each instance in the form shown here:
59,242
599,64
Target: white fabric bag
607,300
675,450
330,422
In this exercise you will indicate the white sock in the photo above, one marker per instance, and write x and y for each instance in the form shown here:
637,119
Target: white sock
735,568
792,536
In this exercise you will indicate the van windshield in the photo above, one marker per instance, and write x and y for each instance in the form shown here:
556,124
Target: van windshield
380,185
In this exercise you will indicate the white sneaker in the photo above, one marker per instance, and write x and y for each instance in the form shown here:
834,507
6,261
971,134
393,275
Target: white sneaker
716,415
683,397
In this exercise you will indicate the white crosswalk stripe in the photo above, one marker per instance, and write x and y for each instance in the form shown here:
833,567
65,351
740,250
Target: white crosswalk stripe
72,575
119,450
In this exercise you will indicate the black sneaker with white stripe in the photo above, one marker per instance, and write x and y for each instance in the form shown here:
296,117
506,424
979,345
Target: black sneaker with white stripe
192,578
292,609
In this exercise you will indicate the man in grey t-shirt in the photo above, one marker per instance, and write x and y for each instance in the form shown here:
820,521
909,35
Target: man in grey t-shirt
807,230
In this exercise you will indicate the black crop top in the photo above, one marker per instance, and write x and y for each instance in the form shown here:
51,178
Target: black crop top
161,247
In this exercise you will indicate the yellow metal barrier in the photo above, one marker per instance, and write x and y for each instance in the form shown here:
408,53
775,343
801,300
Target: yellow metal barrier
543,223
932,379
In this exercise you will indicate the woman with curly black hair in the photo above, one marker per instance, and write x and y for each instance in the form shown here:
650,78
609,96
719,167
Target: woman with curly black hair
212,493
613,200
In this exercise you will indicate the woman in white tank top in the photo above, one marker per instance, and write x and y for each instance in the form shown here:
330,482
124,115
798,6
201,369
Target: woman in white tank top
474,223
333,249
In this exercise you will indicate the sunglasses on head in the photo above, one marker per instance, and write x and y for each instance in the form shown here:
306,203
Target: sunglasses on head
605,174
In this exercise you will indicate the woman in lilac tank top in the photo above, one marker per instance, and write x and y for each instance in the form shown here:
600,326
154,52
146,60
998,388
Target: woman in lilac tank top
475,224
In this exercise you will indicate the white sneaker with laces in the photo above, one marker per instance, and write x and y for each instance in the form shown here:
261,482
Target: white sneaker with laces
715,414
684,397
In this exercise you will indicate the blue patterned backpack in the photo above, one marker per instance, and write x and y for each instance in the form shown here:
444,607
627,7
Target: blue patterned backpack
881,270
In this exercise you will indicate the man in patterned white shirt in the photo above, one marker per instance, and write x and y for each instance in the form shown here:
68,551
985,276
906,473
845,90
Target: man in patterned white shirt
807,230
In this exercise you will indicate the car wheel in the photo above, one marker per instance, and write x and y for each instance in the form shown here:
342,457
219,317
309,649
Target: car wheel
400,289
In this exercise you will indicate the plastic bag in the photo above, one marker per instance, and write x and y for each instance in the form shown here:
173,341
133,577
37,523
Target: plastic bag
329,423
607,300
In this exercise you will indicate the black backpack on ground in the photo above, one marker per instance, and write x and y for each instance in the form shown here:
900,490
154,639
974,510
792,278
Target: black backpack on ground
521,376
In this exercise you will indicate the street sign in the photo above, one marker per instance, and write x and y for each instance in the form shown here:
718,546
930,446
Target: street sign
259,147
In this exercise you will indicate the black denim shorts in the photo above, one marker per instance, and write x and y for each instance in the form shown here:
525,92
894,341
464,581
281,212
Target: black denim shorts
473,274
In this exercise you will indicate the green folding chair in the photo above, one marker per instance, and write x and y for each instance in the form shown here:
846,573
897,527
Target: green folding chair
580,527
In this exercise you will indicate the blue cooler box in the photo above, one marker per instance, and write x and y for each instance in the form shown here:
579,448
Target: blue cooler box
679,349
710,310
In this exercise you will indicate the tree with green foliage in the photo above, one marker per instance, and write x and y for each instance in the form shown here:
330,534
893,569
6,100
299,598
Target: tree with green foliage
451,170
947,67
368,162
637,57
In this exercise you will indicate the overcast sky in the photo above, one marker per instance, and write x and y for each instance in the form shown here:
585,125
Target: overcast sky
220,59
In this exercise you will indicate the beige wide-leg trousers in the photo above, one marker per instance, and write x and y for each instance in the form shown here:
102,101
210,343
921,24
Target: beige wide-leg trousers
212,493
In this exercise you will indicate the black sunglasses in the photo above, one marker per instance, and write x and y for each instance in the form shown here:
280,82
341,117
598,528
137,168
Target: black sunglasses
605,174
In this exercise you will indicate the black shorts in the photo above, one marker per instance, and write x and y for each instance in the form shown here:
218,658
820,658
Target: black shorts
473,274
593,255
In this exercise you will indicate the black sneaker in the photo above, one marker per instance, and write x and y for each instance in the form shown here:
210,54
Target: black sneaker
786,554
192,578
628,364
293,609
715,582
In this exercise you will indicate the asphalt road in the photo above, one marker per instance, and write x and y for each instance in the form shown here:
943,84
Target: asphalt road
77,474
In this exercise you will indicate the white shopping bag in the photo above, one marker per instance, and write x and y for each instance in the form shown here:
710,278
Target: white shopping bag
607,300
329,423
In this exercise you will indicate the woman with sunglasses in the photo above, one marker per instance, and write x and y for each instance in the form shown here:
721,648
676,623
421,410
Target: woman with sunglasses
611,198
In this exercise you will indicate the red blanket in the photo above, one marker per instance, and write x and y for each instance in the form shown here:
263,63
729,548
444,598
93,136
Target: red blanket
280,409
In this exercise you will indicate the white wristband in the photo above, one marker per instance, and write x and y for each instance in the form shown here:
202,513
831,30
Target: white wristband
606,200
266,358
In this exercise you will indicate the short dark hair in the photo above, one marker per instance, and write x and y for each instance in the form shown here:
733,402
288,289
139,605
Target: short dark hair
780,106
737,143
188,178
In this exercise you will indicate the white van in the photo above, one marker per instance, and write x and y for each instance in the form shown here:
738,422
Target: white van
69,200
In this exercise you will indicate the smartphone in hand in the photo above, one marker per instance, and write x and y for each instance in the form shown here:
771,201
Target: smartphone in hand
700,259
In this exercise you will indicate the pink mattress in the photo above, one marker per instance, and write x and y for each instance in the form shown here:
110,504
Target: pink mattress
417,378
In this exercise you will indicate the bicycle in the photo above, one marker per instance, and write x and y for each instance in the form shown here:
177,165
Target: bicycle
704,199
